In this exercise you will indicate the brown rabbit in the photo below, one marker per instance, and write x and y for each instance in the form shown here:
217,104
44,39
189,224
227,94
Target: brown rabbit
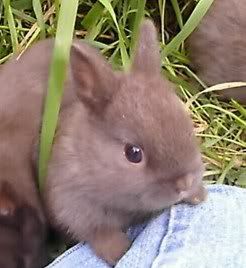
123,151
218,47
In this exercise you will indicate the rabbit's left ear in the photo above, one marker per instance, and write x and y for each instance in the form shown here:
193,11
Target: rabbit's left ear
147,56
95,80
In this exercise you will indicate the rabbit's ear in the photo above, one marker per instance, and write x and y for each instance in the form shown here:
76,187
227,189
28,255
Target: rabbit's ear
94,77
147,55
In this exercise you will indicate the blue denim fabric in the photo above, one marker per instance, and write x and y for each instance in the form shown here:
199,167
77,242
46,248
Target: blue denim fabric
209,235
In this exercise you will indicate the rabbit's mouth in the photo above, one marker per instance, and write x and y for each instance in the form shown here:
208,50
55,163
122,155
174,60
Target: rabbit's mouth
159,198
159,202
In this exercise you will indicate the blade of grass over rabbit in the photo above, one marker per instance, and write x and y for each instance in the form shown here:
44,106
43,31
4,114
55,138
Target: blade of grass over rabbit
56,80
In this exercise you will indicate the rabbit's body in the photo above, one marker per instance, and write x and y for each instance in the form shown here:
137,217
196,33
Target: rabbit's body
218,47
23,87
123,151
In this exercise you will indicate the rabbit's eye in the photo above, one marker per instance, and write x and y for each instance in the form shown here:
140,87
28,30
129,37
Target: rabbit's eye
133,153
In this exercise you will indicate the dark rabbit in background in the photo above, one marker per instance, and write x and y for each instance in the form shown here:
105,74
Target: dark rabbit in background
123,151
217,47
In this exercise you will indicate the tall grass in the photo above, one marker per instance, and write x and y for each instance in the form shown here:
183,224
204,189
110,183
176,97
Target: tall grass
60,59
112,26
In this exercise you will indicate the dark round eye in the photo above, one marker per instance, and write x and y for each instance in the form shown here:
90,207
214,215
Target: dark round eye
133,153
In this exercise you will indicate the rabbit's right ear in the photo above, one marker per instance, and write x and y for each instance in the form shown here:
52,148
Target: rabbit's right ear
94,77
147,58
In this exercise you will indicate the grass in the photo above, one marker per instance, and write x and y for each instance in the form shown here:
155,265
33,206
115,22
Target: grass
60,59
112,26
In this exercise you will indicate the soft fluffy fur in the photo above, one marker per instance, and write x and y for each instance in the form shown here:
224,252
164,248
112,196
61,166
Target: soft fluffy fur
218,47
92,191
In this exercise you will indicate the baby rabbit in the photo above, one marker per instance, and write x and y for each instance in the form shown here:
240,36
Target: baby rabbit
123,151
218,47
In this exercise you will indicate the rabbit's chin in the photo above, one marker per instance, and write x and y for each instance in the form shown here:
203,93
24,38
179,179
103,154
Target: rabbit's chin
159,202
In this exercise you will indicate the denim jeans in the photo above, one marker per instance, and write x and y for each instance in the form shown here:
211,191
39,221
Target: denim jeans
209,235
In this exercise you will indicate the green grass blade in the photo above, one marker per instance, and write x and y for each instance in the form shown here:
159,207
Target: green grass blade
21,15
57,6
93,16
178,14
195,18
1,9
10,18
58,69
239,108
22,4
138,18
95,31
124,55
39,15
238,119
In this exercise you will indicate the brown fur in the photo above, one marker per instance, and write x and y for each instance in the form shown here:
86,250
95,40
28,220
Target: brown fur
218,47
22,234
92,191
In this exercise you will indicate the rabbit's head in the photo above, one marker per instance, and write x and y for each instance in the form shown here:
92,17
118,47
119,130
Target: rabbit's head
128,143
